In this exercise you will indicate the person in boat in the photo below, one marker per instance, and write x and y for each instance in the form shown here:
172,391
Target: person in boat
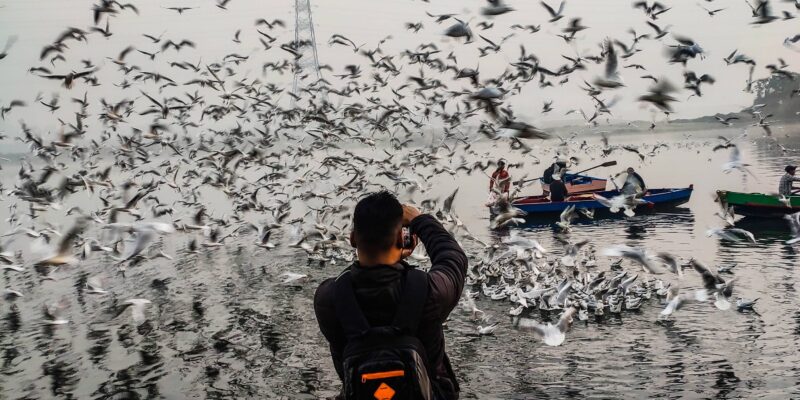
556,168
634,183
501,180
786,186
558,190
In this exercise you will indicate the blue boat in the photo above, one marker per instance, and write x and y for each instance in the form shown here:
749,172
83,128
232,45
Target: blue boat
653,198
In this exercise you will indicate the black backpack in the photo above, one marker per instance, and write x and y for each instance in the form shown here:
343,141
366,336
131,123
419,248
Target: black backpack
384,362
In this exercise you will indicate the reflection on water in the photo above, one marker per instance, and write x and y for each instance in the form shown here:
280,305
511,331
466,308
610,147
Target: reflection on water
222,325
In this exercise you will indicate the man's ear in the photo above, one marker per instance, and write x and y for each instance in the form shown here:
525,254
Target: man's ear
353,239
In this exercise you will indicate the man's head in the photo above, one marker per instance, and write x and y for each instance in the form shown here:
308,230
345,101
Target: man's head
790,169
630,170
377,225
501,164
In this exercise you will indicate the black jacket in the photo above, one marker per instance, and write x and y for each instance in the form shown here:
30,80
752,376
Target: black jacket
379,287
635,176
558,191
547,178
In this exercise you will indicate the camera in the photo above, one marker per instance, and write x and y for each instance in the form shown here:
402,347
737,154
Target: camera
408,239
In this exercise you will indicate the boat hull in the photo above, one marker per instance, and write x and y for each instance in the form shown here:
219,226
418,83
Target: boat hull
537,205
759,204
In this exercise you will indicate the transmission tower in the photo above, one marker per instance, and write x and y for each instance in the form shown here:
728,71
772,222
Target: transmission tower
306,45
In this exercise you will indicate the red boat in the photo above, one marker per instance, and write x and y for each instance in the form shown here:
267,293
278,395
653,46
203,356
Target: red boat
578,184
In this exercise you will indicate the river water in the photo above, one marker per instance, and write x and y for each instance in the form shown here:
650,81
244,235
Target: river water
222,325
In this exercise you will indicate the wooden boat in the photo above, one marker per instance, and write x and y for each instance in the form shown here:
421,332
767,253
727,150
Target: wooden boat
759,204
653,198
577,184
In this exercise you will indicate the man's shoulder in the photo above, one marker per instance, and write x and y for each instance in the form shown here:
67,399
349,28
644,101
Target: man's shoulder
325,293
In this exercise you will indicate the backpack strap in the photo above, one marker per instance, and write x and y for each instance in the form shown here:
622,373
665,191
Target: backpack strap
409,309
352,319
412,301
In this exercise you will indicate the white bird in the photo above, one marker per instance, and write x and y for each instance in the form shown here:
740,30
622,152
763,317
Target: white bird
54,313
137,309
671,262
721,302
744,304
747,234
617,203
552,335
611,79
731,234
468,303
487,330
728,215
555,15
11,294
289,277
6,256
637,255
14,267
419,254
794,225
263,233
94,285
63,254
737,163
144,233
514,239
566,218
674,302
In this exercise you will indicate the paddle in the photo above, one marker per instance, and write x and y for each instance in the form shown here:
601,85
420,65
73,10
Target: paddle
605,164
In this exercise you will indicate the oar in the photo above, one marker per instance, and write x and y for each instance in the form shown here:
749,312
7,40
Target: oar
605,164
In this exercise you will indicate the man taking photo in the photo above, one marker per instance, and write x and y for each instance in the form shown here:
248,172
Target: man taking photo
382,317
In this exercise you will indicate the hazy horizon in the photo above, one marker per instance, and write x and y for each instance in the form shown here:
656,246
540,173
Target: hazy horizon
38,23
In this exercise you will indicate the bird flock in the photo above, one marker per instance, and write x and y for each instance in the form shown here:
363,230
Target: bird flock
136,169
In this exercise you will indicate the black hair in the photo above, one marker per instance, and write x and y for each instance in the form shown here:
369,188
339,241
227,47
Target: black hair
500,165
376,219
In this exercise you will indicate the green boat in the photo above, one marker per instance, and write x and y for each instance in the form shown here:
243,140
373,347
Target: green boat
759,204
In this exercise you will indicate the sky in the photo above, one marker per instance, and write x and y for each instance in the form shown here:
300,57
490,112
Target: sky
38,23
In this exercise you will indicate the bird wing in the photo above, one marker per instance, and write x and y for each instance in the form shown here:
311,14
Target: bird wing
448,202
152,99
53,76
561,6
66,242
566,319
611,60
549,9
488,41
709,279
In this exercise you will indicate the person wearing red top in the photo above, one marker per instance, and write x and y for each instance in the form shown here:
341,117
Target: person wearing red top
500,178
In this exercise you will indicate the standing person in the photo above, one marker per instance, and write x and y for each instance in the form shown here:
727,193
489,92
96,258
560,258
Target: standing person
634,183
381,313
559,166
500,180
558,190
786,186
